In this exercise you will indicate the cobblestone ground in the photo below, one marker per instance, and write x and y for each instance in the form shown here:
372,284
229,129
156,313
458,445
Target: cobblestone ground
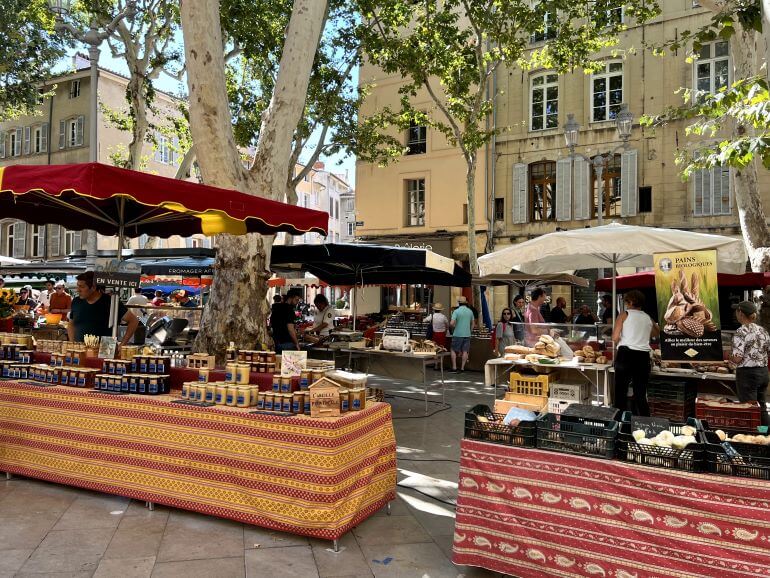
51,530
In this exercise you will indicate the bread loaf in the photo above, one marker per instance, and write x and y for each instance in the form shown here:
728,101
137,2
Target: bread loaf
521,349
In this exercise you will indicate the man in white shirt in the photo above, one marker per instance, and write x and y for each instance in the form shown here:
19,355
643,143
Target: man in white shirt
323,322
137,298
44,300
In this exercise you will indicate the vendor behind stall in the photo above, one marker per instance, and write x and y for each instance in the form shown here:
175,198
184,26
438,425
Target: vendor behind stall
60,301
323,321
282,320
90,314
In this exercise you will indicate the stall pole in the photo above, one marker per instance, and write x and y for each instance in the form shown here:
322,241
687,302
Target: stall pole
115,297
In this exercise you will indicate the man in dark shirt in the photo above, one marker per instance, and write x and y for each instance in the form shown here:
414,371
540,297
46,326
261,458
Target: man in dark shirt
282,319
90,313
557,313
607,309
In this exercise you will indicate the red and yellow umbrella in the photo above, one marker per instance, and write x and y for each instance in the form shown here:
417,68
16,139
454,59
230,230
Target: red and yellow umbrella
115,201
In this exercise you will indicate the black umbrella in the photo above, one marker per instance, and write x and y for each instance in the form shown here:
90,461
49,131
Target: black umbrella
352,264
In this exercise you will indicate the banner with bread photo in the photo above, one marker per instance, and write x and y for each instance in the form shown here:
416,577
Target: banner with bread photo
688,306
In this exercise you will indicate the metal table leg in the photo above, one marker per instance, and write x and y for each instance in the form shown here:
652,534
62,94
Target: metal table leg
443,385
425,382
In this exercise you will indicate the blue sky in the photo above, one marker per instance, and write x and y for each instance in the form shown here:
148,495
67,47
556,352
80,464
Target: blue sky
335,163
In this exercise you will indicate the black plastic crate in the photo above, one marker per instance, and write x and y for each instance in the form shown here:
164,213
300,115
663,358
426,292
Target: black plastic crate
672,391
584,438
745,460
495,431
689,459
588,414
675,411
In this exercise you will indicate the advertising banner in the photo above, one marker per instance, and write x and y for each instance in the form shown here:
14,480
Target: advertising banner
688,306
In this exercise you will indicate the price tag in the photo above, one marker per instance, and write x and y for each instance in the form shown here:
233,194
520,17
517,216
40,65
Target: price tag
651,426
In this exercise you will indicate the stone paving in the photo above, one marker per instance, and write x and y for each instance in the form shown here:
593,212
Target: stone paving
48,530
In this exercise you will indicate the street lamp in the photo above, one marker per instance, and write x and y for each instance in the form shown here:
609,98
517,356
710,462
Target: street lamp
624,121
93,37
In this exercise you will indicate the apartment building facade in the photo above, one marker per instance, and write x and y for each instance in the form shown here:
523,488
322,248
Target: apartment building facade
58,133
527,183
329,192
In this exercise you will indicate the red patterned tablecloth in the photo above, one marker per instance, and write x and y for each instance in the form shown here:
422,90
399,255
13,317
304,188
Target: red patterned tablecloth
532,513
315,477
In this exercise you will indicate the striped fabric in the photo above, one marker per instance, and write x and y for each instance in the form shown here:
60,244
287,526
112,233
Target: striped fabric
314,477
533,513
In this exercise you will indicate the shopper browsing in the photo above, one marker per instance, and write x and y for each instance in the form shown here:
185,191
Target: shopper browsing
532,316
504,333
462,325
439,325
750,347
61,301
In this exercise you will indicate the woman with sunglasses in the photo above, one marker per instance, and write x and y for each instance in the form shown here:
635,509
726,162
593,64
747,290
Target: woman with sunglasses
504,334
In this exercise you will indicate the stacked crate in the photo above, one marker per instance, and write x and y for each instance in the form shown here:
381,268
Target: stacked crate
562,395
674,400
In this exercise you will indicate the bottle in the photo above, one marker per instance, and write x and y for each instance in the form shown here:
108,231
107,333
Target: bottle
231,352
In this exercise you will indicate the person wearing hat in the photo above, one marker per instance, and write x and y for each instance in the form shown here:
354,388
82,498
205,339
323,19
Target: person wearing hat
282,320
462,325
25,298
61,301
439,324
751,343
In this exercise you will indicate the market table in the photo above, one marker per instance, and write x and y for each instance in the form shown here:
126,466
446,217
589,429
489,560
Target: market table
314,477
600,372
533,513
383,362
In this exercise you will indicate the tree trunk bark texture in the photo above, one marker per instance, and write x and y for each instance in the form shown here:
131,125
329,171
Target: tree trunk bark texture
747,195
473,255
237,307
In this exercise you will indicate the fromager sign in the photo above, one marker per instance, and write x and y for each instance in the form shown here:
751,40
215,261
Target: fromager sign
688,306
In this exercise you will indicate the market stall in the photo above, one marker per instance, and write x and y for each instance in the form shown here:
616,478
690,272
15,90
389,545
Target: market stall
316,477
528,512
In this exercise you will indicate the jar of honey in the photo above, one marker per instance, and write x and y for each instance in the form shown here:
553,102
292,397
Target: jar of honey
254,395
286,399
344,400
269,397
261,400
304,380
203,375
358,399
243,396
298,402
185,390
286,385
231,370
211,392
276,383
231,398
243,373
220,397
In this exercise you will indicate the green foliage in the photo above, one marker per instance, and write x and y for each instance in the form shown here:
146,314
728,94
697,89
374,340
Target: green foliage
451,49
747,102
28,51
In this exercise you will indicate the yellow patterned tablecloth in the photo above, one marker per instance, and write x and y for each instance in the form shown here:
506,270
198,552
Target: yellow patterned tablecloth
307,476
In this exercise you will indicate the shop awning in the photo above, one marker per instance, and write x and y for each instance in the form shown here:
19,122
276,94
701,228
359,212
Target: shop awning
528,280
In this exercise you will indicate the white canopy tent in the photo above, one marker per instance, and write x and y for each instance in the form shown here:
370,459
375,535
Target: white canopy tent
609,246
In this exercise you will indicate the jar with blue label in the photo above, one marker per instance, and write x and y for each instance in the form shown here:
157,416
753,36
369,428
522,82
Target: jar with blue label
220,397
269,398
344,401
232,395
276,383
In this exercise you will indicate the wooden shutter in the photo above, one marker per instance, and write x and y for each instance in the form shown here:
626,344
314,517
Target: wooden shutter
582,189
3,138
79,131
519,195
629,188
17,144
44,138
62,133
77,242
41,241
27,139
564,189
19,239
55,240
